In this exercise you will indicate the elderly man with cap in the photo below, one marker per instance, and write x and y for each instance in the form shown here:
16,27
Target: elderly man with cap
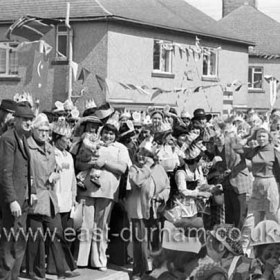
43,217
7,108
15,189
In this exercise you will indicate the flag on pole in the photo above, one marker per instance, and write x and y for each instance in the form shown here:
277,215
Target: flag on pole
83,75
31,28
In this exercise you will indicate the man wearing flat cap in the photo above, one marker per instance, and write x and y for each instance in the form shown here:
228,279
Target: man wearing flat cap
15,191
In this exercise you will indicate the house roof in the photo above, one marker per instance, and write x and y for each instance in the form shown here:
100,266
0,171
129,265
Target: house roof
255,26
169,14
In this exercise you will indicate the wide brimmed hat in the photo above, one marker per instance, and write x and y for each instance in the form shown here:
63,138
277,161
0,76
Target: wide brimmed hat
91,119
229,236
8,105
266,232
200,114
104,111
23,110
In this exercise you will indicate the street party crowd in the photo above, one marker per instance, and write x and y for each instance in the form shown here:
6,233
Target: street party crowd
201,192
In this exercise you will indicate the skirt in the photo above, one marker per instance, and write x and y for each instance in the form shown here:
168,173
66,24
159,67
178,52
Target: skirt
265,195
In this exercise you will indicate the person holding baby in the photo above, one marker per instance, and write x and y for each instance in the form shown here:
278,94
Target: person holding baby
103,162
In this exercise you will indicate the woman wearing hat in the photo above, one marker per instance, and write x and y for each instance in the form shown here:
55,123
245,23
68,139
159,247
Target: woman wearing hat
99,198
65,188
149,189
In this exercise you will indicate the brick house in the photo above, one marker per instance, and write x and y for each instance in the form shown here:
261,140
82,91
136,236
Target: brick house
264,58
145,43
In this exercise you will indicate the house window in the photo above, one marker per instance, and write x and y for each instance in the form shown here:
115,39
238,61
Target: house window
8,59
255,78
210,63
162,56
62,42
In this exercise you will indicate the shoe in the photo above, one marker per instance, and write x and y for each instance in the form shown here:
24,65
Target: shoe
61,277
103,268
72,274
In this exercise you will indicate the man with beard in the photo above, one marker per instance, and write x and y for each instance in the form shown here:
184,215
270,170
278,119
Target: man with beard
15,191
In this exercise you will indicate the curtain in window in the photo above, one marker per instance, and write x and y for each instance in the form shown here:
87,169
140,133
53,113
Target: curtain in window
13,62
3,61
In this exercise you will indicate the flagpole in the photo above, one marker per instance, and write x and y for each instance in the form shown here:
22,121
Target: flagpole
70,54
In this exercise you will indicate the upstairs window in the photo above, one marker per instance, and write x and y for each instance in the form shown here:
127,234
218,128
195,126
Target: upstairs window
162,58
255,78
8,59
210,63
62,42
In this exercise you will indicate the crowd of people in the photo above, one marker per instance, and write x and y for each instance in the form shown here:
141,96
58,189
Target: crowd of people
201,192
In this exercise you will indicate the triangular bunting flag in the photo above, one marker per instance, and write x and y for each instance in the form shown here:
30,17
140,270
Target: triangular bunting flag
156,93
83,75
103,85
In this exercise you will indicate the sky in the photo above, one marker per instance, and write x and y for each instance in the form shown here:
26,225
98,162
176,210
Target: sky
213,8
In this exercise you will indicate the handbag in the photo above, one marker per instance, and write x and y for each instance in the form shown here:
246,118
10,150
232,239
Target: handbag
77,214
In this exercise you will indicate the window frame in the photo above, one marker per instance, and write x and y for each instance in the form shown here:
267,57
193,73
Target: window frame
253,82
10,45
211,51
68,34
160,72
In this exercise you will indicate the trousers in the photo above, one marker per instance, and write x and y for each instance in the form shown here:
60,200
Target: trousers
12,242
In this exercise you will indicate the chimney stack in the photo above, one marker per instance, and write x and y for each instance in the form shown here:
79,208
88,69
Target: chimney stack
231,5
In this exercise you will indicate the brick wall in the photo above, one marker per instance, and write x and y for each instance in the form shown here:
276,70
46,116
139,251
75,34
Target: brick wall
230,5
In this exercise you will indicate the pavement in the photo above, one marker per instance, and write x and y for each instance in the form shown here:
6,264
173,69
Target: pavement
113,273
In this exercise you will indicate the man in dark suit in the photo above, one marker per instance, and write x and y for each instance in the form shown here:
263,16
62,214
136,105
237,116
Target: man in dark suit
236,182
15,191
